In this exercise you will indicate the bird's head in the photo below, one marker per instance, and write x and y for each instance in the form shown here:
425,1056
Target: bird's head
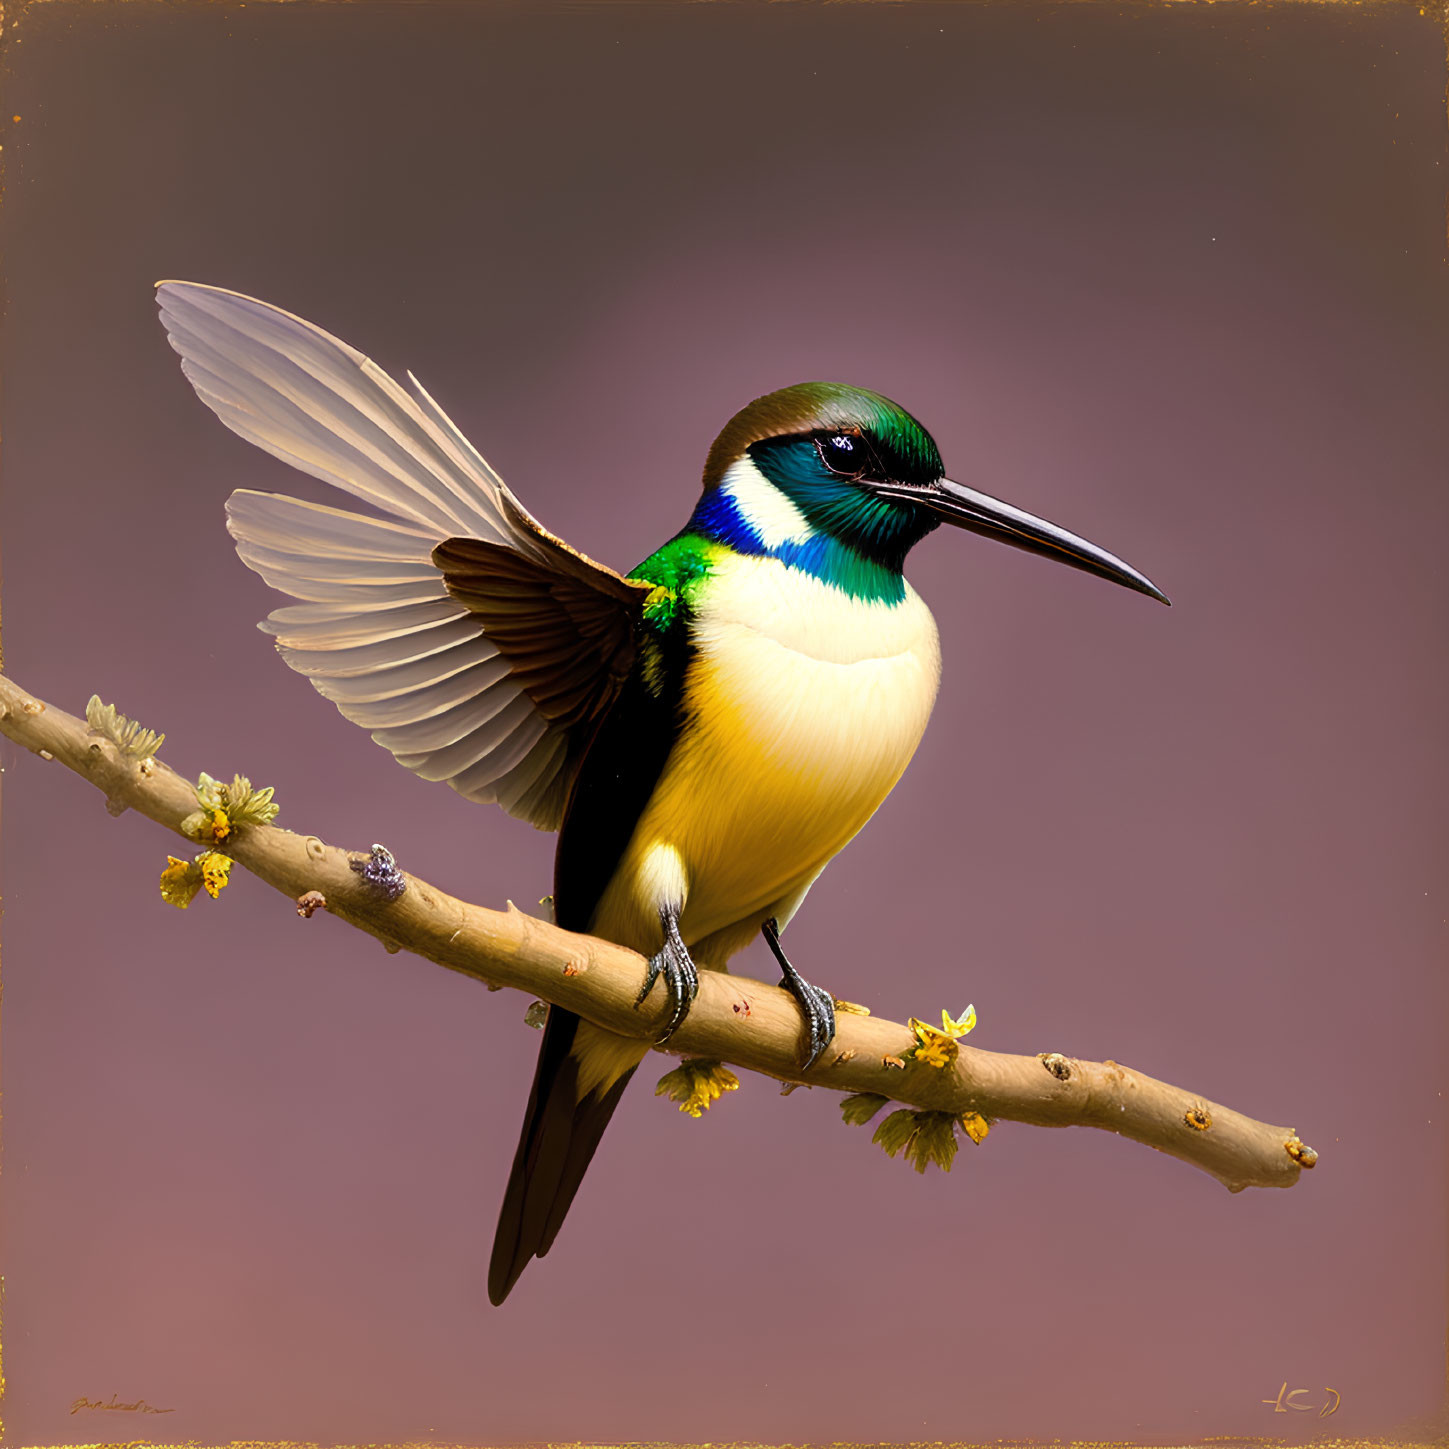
820,460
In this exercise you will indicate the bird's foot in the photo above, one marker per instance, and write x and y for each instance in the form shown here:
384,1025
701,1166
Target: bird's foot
681,976
817,1003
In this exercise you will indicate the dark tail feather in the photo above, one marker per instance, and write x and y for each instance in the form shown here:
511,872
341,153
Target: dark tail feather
558,1142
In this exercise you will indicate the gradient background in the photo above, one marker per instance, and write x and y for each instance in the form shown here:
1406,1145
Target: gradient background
1173,278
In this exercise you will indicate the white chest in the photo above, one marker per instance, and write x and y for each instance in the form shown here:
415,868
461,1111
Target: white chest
811,681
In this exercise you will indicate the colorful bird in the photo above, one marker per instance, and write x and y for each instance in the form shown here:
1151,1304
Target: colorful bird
705,733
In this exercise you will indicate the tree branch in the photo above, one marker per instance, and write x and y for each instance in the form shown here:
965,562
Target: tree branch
734,1019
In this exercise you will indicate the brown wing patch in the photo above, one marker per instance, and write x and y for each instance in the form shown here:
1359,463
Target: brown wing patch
565,624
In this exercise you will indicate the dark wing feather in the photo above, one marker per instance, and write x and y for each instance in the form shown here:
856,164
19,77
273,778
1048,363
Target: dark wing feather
567,629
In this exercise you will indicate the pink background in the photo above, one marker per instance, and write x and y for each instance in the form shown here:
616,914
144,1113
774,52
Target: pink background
1173,278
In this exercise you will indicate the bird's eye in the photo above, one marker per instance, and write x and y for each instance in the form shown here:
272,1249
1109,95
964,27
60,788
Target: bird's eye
843,453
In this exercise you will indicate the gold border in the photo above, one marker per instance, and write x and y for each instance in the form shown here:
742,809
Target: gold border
1423,1435
1209,1443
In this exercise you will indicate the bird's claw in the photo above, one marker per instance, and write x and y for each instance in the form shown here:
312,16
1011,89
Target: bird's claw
817,1003
681,978
819,1008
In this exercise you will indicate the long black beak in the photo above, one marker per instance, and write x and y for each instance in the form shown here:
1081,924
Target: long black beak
967,508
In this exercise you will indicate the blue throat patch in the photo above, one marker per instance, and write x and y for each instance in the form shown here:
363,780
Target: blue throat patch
859,543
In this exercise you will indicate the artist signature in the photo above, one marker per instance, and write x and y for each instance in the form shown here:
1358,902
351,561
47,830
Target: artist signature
138,1406
1284,1404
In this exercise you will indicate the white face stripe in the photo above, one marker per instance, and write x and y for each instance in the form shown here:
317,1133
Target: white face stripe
771,513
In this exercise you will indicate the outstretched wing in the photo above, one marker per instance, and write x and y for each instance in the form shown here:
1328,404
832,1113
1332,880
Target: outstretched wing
472,643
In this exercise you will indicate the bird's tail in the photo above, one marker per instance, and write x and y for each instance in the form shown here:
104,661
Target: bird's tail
560,1132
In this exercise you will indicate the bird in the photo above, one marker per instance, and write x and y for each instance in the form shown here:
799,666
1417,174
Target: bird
705,732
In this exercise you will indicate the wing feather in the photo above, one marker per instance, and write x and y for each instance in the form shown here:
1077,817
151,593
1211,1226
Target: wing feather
502,719
415,679
538,784
308,397
501,760
365,626
354,659
474,644
291,525
427,702
447,727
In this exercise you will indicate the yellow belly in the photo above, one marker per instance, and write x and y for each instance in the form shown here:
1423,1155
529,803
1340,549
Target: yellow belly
803,707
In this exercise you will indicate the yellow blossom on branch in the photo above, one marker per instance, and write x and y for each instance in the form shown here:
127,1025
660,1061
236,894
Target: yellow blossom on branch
696,1085
934,1050
975,1126
936,1046
182,879
180,882
215,871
